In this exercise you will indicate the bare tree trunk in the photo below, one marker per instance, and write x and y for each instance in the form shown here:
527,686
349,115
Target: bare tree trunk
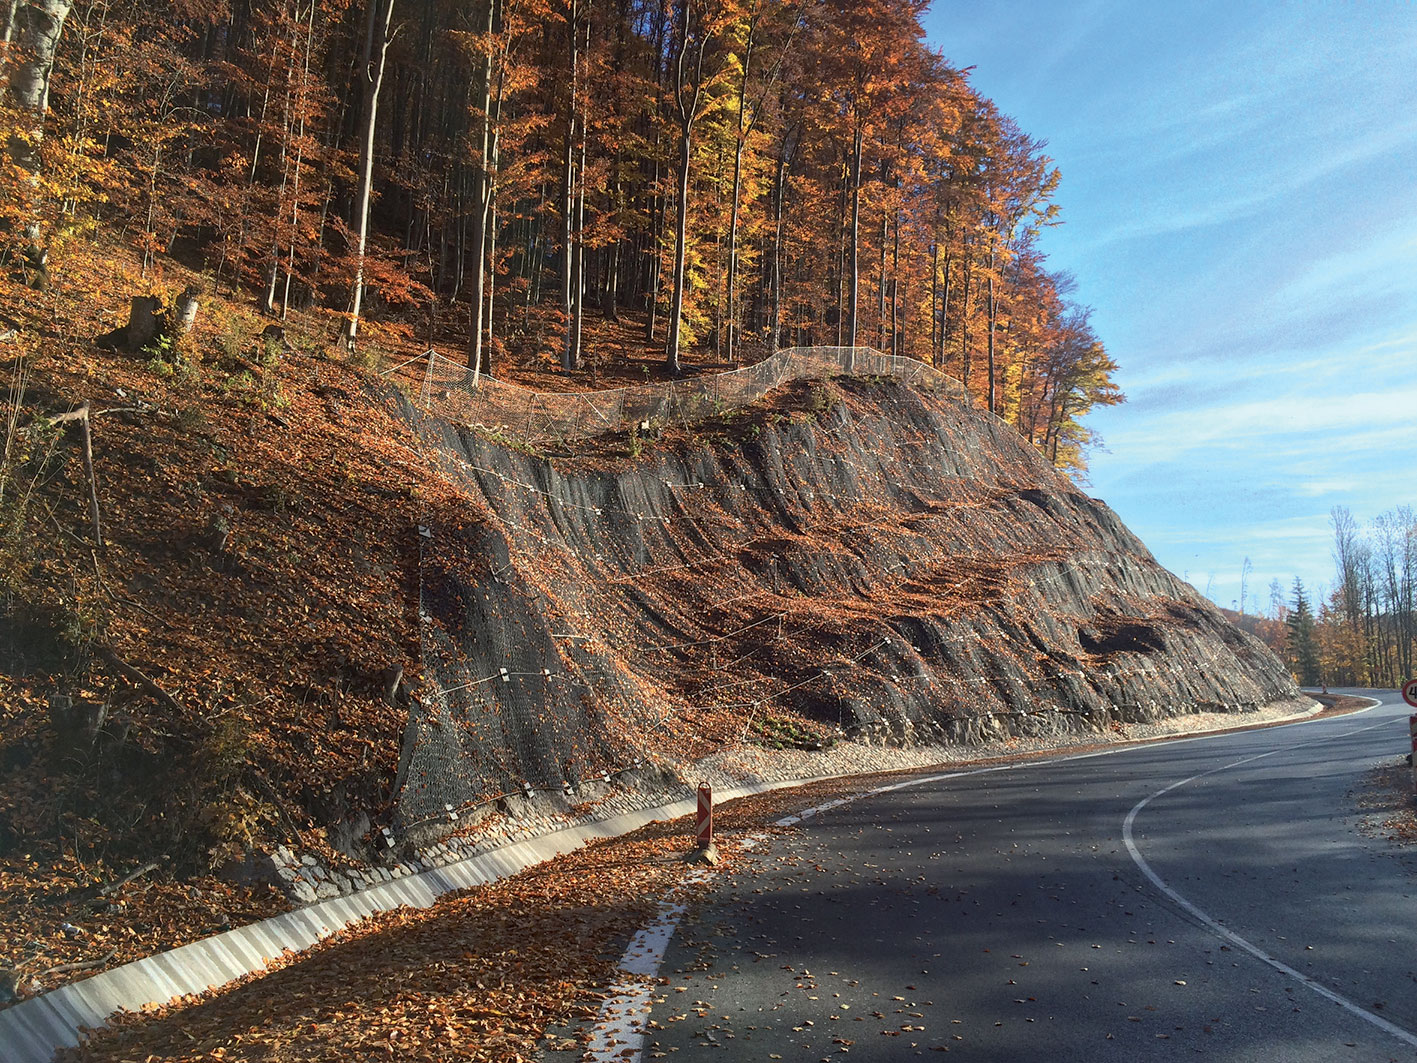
681,220
656,226
491,284
184,313
380,17
855,236
778,207
993,318
739,144
570,354
964,354
881,285
934,299
11,8
945,306
87,424
842,232
481,211
896,339
33,29
580,281
299,158
688,104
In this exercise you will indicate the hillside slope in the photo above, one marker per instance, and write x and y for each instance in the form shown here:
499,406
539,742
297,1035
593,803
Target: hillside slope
857,559
285,534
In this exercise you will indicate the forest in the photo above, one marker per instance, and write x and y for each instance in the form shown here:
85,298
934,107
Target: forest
508,178
1359,631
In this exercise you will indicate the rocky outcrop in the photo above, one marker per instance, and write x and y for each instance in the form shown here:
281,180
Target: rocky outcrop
857,559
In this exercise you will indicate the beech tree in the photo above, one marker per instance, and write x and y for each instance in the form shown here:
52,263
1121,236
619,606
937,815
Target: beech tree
378,20
751,173
32,30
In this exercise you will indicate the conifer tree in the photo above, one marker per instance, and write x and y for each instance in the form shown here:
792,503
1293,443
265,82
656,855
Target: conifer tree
1303,641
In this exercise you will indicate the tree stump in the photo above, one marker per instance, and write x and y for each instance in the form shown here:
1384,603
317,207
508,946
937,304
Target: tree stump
144,321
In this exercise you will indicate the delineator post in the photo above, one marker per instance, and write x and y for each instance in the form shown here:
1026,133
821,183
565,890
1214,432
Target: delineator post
705,814
1409,695
1412,731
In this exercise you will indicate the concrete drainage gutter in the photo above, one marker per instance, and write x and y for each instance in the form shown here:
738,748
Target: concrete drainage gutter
31,1031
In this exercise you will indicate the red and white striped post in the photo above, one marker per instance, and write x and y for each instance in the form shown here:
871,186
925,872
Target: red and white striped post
1409,695
704,822
1412,730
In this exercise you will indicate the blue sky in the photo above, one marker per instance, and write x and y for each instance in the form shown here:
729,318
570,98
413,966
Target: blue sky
1239,198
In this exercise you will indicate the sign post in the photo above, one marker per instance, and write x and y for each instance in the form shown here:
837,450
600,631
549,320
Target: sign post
1412,731
1409,695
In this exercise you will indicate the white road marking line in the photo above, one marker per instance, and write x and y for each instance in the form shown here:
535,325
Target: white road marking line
618,1034
619,1031
1225,932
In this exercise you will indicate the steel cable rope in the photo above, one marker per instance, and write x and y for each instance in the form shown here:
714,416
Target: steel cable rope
978,503
824,673
904,562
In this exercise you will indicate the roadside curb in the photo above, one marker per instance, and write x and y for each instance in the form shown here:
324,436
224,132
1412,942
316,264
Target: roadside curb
34,1029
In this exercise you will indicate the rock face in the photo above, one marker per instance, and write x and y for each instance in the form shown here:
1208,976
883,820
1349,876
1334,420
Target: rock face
861,559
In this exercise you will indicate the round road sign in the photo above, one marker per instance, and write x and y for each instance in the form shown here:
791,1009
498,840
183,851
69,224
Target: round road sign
1409,692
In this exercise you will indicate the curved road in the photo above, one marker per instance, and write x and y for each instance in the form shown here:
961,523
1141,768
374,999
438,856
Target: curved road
1206,896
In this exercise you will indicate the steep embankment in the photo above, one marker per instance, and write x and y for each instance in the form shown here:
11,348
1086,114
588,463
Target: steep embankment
857,558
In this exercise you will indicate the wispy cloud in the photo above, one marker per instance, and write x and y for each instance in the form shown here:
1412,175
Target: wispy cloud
1238,189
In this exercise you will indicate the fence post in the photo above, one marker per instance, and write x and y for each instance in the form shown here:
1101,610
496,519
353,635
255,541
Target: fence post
427,393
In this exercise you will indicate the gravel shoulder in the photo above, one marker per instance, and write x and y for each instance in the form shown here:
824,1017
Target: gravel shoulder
485,974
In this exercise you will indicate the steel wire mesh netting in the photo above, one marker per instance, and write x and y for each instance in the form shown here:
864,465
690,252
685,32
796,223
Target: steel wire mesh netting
452,392
510,703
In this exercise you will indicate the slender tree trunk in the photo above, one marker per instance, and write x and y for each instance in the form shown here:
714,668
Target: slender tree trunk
299,159
7,26
580,279
481,211
964,353
855,236
881,285
681,220
780,195
842,231
934,299
33,30
688,104
945,306
273,264
739,143
486,358
610,295
570,354
656,227
992,318
896,338
376,50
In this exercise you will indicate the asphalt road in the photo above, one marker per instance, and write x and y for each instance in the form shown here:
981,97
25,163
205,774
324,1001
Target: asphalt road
1003,915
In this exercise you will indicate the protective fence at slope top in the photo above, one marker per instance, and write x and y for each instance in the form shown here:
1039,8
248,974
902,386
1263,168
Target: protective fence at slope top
450,391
